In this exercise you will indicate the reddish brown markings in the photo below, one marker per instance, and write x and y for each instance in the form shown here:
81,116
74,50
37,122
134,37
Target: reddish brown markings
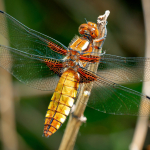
90,58
57,48
86,76
55,66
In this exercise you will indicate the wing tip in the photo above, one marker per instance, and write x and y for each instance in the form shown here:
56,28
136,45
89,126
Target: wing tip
148,97
1,11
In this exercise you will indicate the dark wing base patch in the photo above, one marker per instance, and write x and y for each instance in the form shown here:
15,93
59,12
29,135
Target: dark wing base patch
86,76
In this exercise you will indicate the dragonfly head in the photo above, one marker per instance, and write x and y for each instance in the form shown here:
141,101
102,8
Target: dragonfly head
89,30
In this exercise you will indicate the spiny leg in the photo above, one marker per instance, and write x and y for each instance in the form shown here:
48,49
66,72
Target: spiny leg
101,39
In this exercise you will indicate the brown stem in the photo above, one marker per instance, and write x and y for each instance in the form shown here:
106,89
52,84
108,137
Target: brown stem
7,120
142,123
74,123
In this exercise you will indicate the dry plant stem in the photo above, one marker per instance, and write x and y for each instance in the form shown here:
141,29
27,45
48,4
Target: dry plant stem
7,113
142,123
74,123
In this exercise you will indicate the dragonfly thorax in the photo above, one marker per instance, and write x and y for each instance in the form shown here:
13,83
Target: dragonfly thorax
72,59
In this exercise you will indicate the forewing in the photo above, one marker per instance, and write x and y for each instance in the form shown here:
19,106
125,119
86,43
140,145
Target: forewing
28,40
109,97
124,69
29,69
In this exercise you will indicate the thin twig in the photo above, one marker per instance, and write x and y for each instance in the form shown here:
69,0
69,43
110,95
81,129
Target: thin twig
142,123
74,123
7,121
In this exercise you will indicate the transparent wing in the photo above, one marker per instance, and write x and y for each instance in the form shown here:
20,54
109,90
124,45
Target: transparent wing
124,69
108,97
119,69
29,69
28,40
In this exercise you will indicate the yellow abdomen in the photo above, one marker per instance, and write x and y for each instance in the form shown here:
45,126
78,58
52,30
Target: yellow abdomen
62,101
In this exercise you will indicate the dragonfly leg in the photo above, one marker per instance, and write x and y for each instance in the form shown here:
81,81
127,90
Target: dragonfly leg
101,39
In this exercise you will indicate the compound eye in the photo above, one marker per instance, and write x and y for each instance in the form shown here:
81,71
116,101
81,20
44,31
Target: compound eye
92,35
82,28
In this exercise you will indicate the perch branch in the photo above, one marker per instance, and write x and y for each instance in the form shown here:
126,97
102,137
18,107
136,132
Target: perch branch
7,120
142,122
74,123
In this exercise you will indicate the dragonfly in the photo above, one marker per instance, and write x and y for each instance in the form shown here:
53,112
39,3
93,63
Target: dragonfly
44,63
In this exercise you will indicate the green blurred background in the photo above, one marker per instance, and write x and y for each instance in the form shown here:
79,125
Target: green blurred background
60,19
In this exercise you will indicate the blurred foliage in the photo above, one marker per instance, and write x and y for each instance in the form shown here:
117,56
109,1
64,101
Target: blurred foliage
60,20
